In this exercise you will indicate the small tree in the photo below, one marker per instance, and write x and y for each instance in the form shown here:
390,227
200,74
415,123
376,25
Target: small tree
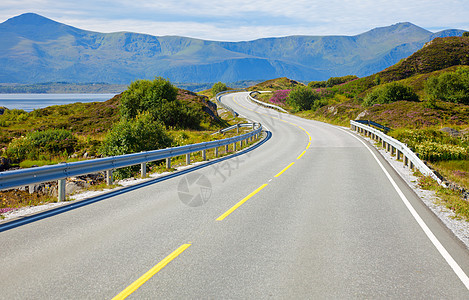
449,86
465,34
218,88
389,93
159,98
146,95
302,98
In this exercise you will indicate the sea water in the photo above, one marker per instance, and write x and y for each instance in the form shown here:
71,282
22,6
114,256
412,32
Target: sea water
30,102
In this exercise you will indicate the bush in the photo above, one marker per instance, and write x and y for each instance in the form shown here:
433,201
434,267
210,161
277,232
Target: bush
317,84
218,88
159,98
449,86
302,98
52,142
333,81
389,93
465,34
135,135
339,80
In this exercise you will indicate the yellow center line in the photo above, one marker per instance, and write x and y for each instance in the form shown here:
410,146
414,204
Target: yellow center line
286,168
145,277
309,144
237,205
304,151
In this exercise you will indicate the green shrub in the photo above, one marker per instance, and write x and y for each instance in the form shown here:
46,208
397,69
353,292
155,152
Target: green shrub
389,93
37,144
333,81
465,34
449,86
135,135
159,98
339,80
317,84
218,88
302,98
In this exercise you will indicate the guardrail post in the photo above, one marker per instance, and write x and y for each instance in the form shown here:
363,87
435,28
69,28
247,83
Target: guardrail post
234,146
204,155
237,128
61,192
168,162
143,170
406,161
31,188
398,154
216,151
109,177
226,149
188,159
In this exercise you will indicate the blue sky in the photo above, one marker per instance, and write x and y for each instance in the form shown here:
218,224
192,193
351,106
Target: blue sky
237,20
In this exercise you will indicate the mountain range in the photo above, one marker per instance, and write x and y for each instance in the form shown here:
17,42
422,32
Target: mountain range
35,49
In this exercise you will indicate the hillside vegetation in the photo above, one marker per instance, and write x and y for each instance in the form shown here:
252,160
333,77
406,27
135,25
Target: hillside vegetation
87,124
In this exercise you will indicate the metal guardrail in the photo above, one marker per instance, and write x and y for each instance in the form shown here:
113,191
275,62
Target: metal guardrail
374,124
218,97
396,147
237,126
263,103
31,176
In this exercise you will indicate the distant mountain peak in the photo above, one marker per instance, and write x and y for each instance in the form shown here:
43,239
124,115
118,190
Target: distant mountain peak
30,19
400,27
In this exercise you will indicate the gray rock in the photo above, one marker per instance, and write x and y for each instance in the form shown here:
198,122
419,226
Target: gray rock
362,115
452,132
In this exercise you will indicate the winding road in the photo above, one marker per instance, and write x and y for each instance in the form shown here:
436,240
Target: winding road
313,212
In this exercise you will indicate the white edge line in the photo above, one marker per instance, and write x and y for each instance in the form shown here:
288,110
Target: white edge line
449,259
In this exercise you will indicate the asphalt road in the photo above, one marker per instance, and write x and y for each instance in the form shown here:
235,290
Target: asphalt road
314,216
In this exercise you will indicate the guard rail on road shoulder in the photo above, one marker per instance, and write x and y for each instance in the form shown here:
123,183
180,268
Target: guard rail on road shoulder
265,104
218,98
374,124
396,147
237,126
31,176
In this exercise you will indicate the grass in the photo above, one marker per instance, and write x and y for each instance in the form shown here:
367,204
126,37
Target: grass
456,171
449,198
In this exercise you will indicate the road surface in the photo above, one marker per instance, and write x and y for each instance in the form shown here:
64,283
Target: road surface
310,213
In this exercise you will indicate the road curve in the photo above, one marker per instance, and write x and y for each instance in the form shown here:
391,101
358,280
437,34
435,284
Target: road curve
310,213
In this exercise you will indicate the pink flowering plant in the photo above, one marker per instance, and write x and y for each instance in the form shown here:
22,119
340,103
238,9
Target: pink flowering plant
279,97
